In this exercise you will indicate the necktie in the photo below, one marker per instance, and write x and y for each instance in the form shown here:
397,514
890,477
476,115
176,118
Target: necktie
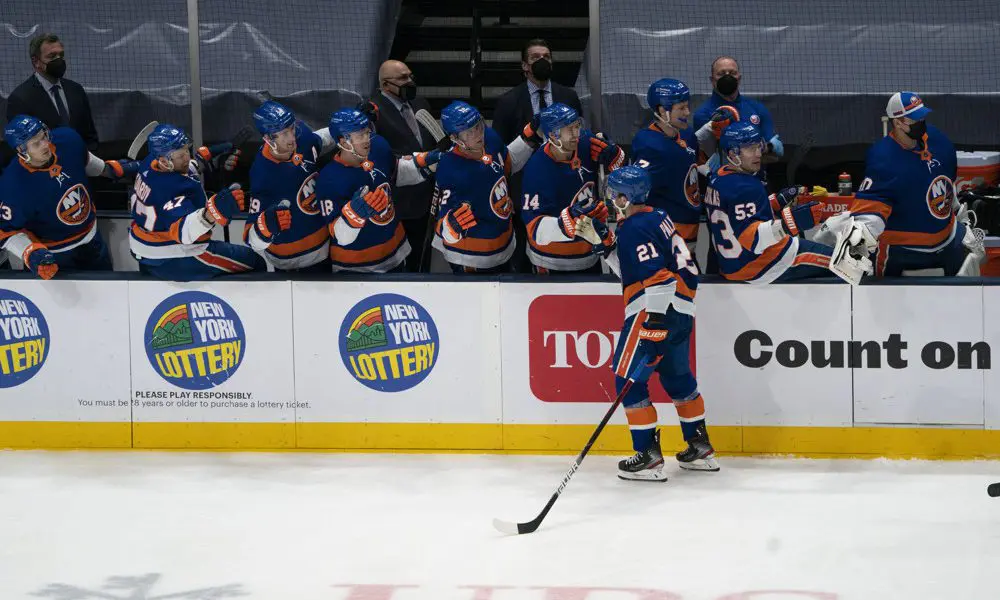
60,105
542,104
411,120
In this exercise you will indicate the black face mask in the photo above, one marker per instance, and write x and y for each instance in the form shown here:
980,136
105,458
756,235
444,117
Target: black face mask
541,69
917,130
56,68
727,85
408,91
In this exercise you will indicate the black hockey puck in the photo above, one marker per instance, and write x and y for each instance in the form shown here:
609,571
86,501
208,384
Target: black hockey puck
993,490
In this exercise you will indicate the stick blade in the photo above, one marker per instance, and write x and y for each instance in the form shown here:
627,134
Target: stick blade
508,528
140,139
993,490
505,527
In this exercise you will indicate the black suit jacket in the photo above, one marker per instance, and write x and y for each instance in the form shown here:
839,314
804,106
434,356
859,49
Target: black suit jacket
412,201
513,109
30,98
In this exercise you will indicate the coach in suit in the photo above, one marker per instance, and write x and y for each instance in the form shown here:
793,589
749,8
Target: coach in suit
538,91
397,103
516,107
49,96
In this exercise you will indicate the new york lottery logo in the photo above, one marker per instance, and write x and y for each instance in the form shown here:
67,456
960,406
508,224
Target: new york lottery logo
388,342
195,340
24,339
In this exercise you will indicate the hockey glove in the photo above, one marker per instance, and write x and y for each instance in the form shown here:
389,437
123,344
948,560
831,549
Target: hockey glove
458,222
598,234
785,197
365,205
271,222
606,152
426,159
224,153
723,117
369,108
117,169
799,219
530,131
653,338
222,206
40,261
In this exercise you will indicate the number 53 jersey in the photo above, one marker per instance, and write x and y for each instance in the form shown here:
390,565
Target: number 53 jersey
739,217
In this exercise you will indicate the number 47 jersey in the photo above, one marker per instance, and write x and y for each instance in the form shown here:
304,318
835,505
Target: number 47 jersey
654,264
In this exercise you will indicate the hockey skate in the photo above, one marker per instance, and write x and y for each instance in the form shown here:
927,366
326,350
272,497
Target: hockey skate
644,466
699,455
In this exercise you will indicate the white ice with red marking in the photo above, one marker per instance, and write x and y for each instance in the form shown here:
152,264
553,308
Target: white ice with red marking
291,526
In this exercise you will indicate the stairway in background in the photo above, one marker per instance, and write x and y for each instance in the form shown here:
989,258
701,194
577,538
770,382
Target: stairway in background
434,38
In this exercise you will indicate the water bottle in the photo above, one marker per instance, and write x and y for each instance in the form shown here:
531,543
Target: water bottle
844,186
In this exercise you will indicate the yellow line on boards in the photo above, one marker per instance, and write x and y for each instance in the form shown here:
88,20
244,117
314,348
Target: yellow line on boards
845,442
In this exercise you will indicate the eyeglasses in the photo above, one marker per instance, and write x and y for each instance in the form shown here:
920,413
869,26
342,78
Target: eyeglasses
404,78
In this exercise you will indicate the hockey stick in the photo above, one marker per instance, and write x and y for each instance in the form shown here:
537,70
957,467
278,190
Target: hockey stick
641,372
993,490
796,160
140,139
429,232
430,123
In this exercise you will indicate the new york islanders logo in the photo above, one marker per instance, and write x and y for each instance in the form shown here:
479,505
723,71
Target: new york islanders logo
24,339
941,197
74,207
500,200
691,186
306,198
584,195
389,342
755,119
194,340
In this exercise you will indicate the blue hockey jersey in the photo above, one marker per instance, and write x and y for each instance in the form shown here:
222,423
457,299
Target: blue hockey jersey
739,217
910,193
307,241
380,245
750,110
50,205
482,183
656,268
673,169
549,186
168,217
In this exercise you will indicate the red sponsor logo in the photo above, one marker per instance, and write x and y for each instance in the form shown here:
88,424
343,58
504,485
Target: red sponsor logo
571,347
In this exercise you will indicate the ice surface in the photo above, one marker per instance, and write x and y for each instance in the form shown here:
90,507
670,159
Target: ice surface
295,526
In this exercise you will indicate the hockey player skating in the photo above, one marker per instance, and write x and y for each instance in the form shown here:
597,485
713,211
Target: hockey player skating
173,218
755,235
285,225
905,210
659,280
559,187
474,230
668,149
354,193
47,217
